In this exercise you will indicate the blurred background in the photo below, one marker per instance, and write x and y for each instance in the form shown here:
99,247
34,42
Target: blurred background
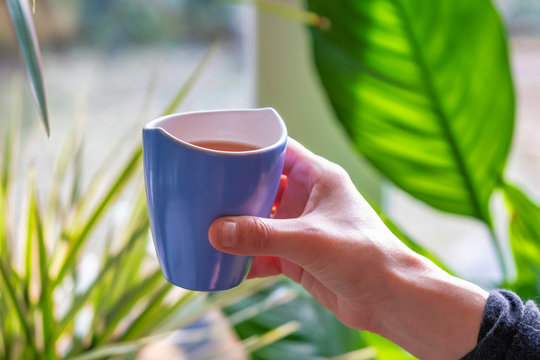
113,65
117,64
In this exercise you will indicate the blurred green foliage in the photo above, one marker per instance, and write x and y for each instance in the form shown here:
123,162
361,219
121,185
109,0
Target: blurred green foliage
321,335
43,244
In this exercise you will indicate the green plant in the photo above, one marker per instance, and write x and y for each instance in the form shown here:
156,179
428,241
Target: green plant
424,91
129,306
413,85
412,94
524,241
18,12
128,301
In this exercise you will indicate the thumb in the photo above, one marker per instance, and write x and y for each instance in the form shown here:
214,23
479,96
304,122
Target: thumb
248,235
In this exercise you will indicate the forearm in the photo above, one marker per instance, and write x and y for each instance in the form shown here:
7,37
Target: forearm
431,314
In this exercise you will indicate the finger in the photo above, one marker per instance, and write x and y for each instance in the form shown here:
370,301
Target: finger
295,153
247,235
279,195
264,266
300,169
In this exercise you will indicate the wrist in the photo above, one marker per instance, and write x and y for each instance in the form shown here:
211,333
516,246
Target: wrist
430,313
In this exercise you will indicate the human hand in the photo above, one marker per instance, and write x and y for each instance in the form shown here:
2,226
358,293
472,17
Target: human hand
327,238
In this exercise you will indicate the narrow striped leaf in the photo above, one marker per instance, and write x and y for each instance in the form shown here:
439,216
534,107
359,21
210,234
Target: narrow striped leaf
81,235
278,297
218,300
148,324
125,272
144,323
99,282
125,305
118,349
17,306
4,246
192,80
7,159
28,219
6,338
21,21
257,342
46,301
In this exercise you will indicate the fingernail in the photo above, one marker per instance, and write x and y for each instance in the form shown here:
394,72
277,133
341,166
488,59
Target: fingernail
229,234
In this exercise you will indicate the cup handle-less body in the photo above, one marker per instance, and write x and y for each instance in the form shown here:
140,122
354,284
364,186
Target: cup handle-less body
187,189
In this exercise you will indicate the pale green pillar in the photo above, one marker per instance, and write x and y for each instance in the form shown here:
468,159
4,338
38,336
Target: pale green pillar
287,80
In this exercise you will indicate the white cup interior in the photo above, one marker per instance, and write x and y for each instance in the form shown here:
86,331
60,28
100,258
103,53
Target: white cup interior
259,127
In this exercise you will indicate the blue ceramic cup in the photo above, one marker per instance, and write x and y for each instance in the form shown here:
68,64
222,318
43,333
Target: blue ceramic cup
188,186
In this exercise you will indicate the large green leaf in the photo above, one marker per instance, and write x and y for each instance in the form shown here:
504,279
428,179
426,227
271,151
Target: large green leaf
424,90
23,26
525,241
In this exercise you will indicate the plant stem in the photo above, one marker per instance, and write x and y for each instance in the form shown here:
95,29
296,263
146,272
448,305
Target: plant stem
498,251
303,16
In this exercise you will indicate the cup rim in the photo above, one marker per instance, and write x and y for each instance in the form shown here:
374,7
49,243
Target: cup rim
152,126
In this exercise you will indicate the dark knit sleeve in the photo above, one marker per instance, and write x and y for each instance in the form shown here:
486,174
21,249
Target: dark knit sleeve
509,329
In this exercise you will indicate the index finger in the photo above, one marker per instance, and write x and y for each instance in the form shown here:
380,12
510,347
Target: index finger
296,153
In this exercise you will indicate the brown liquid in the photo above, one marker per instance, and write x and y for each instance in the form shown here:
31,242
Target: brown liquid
225,145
